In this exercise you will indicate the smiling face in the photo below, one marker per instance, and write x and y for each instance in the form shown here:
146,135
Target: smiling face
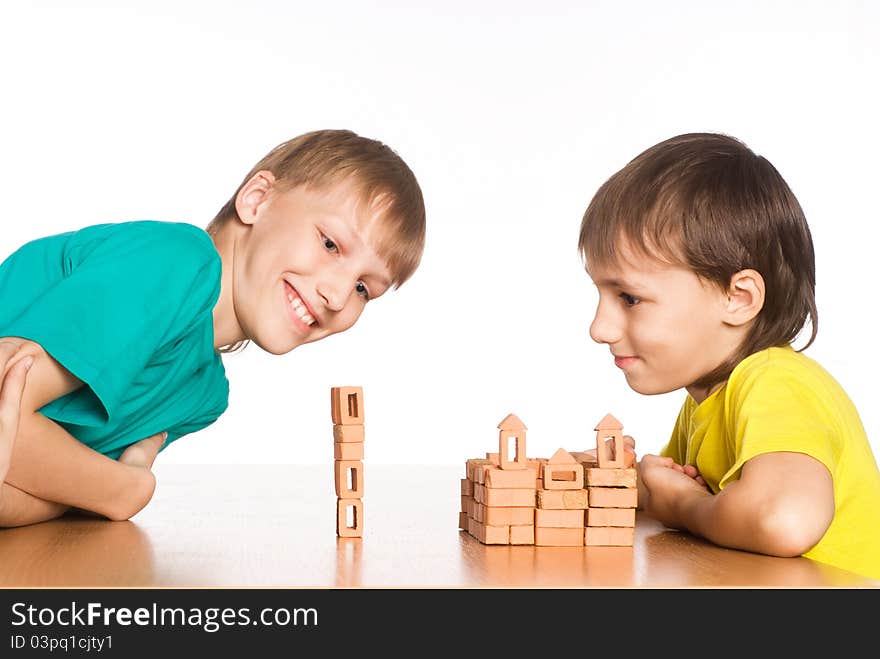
305,266
665,326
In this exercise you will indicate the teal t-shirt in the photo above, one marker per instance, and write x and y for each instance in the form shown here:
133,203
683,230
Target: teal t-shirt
127,308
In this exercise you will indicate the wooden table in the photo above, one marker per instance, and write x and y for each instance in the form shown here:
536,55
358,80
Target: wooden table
274,526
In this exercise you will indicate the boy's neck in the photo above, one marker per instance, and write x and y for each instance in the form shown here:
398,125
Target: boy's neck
226,328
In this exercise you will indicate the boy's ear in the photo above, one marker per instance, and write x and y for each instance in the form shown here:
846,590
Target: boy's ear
253,194
745,297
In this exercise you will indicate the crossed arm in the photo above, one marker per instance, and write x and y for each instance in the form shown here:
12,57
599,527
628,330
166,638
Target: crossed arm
50,471
781,505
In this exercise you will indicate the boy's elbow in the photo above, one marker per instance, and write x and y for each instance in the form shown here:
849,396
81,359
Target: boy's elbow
134,499
789,531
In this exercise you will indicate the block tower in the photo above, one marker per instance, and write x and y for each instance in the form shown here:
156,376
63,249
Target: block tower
347,412
498,495
612,489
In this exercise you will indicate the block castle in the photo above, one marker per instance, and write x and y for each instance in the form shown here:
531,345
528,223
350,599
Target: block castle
572,499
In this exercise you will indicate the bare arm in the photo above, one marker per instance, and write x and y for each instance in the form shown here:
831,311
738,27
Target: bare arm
51,465
781,505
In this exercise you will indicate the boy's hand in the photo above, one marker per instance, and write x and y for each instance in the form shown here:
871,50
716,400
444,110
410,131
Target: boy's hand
13,375
665,486
144,452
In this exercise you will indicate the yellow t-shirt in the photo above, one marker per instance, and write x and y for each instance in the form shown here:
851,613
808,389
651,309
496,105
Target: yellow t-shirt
781,400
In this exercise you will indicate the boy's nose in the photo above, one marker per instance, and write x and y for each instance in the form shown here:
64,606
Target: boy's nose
603,329
332,295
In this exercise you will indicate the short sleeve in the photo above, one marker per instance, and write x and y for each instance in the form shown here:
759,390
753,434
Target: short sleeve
676,447
775,409
126,290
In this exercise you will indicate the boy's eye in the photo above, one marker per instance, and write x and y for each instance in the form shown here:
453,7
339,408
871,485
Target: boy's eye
361,289
329,244
629,300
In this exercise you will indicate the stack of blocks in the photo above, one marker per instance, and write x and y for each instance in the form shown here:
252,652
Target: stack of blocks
572,499
347,411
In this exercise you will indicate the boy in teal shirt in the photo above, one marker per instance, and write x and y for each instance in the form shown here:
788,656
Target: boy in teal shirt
126,322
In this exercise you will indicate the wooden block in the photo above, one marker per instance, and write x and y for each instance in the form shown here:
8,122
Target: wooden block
472,526
562,499
467,487
511,478
511,428
492,535
464,502
349,479
347,405
463,521
609,536
494,458
472,467
348,450
356,529
611,477
509,497
522,535
611,517
348,433
497,516
560,519
563,476
479,493
613,497
609,453
553,537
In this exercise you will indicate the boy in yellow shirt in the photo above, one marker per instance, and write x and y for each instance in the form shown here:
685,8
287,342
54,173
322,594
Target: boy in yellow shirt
705,269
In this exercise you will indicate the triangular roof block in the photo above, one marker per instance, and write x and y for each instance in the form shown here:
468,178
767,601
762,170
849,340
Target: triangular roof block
608,422
512,422
563,457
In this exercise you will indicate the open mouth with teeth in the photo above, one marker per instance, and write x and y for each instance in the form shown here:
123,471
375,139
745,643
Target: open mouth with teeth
296,303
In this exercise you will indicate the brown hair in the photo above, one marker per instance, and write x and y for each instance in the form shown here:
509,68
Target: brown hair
707,202
379,177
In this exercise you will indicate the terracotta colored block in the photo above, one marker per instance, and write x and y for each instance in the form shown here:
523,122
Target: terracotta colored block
509,497
553,537
562,499
563,476
611,477
479,493
356,529
463,521
611,517
494,458
492,535
472,526
348,450
464,502
496,516
469,506
613,497
347,405
348,433
522,535
511,478
467,487
609,453
472,467
349,479
479,512
609,536
560,519
511,428
586,458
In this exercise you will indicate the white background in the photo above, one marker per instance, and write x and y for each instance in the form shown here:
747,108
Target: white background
511,114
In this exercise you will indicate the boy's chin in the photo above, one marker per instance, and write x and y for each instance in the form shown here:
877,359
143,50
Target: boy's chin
646,388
